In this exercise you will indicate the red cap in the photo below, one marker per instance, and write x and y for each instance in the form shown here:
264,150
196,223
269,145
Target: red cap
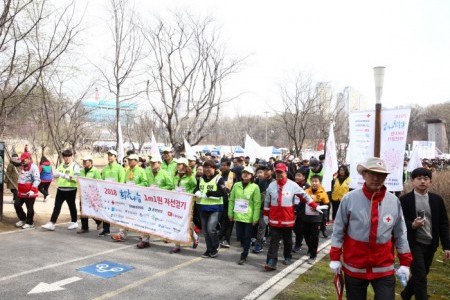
25,155
280,167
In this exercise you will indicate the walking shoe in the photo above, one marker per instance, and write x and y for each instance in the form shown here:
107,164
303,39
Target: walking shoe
270,266
196,229
73,225
311,261
224,244
287,261
49,226
28,226
20,223
257,248
104,233
119,237
142,245
82,231
214,254
206,254
296,249
175,250
242,261
195,243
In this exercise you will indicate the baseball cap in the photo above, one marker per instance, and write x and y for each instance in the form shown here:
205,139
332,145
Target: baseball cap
182,161
167,149
88,157
133,156
248,170
314,162
280,167
155,158
25,155
113,152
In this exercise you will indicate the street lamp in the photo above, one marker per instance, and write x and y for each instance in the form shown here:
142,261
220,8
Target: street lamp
378,74
266,112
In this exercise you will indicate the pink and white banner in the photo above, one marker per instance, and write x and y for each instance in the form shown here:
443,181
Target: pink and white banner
162,213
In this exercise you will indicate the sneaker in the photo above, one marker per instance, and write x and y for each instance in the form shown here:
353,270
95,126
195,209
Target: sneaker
270,266
118,237
206,254
28,226
287,261
143,245
175,250
296,249
224,244
242,261
214,254
49,226
257,249
73,225
311,261
20,223
82,231
104,233
195,244
196,229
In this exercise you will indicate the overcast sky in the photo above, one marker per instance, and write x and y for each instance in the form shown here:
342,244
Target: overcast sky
335,41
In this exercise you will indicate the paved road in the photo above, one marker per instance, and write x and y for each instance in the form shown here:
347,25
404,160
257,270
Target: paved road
29,257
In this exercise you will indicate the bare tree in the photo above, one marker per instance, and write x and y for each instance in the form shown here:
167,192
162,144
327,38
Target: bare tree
123,80
300,107
33,36
187,70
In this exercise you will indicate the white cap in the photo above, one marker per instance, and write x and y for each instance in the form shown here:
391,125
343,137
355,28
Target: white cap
88,157
113,152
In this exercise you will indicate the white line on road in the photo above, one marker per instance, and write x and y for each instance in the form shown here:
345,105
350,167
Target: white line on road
63,263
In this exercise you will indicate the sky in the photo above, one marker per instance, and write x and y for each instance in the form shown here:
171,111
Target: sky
334,41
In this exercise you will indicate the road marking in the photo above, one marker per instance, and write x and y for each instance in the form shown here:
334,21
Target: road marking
259,292
63,263
147,279
43,287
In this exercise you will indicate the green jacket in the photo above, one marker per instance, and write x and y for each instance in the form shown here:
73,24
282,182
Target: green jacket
162,179
136,175
188,182
114,172
250,203
170,168
93,173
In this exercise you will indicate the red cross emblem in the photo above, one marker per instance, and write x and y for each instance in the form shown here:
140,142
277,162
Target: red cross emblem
387,219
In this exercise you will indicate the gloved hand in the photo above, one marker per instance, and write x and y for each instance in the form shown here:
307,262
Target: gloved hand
56,174
266,219
199,194
320,207
404,270
335,266
30,193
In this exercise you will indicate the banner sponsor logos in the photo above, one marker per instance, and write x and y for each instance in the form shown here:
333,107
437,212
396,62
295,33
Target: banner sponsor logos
163,213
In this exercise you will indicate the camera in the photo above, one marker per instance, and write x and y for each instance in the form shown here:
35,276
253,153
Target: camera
421,214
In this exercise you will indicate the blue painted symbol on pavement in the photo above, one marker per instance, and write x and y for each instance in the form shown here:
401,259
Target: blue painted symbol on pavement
105,269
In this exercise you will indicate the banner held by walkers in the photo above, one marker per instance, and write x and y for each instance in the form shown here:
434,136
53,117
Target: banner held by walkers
166,214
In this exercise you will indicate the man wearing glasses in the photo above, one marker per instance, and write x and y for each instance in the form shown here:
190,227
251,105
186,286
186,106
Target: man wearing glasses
369,225
427,222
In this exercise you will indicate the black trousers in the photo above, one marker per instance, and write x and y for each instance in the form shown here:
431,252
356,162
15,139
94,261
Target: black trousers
335,205
311,235
43,188
422,260
226,226
69,197
29,203
15,197
356,289
276,234
298,230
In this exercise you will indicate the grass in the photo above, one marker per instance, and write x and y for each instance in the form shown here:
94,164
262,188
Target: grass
317,282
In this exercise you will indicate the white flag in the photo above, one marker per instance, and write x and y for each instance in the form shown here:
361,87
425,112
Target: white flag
188,151
250,148
414,161
154,150
120,150
330,166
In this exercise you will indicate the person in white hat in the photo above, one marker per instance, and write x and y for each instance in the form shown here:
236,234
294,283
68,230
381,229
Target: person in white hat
88,171
157,177
168,163
369,225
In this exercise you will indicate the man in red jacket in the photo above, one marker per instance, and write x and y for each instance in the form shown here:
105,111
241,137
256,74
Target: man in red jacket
27,191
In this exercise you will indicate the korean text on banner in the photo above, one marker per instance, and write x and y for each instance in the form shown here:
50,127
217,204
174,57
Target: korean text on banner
147,210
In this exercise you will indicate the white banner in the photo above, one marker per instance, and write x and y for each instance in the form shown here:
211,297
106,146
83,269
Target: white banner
330,165
163,213
394,130
425,149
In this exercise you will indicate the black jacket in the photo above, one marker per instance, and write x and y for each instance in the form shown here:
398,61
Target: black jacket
439,219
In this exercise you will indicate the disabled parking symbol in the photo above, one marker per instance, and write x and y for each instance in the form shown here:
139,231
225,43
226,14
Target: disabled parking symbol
105,269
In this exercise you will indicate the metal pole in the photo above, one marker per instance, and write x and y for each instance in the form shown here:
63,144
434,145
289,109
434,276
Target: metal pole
266,112
378,73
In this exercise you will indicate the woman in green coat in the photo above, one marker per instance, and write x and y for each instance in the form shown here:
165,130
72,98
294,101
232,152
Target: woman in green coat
244,208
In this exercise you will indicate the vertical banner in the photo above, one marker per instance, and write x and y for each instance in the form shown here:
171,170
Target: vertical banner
331,163
394,130
2,167
425,149
362,138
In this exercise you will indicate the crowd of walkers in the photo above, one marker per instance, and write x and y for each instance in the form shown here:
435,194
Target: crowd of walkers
266,203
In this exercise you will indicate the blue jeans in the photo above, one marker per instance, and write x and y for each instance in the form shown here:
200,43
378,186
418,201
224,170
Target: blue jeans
244,235
209,227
